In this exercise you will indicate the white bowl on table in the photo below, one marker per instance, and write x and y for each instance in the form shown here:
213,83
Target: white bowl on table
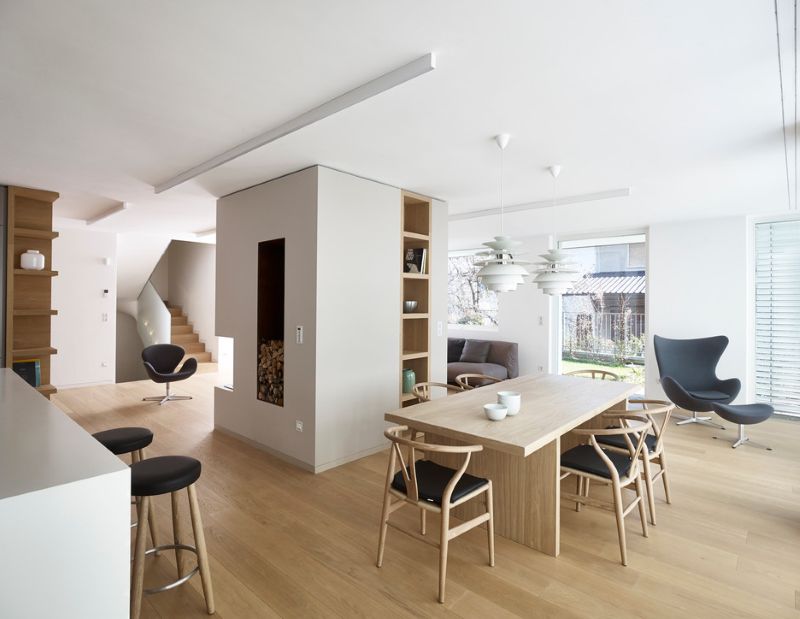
512,400
495,411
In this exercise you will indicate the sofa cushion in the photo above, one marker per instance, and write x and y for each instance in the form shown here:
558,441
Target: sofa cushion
475,351
505,354
454,347
489,369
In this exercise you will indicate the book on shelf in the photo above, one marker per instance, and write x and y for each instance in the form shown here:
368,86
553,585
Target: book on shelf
415,259
30,370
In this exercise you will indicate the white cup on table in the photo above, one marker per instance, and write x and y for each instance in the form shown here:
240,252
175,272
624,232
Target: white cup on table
512,400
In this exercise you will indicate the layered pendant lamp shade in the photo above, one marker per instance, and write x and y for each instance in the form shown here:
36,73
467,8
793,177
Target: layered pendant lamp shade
500,271
556,274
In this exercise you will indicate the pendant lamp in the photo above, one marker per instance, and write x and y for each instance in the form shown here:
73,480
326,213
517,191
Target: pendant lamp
556,274
501,272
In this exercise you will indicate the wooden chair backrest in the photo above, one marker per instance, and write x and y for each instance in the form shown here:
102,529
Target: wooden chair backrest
653,409
423,390
603,374
634,427
463,380
408,464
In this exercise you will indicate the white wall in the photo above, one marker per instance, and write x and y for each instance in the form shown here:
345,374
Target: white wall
519,315
160,275
698,287
129,365
86,343
191,286
282,208
137,256
358,306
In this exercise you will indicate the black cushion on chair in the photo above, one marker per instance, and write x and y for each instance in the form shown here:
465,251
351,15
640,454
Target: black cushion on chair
163,474
432,479
585,458
745,414
618,440
124,440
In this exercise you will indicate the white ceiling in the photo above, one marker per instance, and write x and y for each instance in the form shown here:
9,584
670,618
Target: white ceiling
101,100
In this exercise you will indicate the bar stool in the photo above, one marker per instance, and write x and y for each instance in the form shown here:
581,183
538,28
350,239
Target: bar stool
168,475
129,440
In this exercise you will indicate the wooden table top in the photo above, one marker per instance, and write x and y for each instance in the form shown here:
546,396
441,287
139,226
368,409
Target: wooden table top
552,405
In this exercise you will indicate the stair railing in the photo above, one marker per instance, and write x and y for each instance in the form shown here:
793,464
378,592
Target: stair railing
153,319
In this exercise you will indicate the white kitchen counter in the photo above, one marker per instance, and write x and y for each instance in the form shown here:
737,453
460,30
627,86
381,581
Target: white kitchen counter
64,513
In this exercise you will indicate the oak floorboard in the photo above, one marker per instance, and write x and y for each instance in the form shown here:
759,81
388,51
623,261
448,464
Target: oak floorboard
286,543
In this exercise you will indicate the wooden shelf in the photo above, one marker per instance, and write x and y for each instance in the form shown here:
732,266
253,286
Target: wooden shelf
416,276
46,389
416,236
414,316
407,397
35,312
30,233
411,354
42,273
32,352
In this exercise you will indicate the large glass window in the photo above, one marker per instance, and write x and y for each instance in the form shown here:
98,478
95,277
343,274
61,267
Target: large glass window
603,316
777,315
469,303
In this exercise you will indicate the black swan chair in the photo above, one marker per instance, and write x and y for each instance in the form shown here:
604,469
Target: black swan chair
161,363
688,375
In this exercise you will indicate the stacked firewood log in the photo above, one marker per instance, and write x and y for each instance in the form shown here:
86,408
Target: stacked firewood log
270,371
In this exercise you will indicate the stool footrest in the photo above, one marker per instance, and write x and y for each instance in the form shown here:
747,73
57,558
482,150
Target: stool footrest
180,581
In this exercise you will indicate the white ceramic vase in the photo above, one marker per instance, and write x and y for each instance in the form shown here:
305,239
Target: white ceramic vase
32,260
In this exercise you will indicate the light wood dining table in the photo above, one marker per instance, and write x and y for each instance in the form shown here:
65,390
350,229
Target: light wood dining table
521,454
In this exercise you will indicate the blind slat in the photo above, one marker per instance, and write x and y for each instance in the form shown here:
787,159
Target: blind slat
777,315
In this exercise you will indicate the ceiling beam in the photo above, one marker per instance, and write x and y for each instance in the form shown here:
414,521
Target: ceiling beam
374,87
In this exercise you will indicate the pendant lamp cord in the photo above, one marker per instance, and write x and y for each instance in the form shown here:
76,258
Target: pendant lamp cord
502,153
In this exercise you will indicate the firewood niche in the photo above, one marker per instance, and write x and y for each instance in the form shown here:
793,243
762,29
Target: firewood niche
271,293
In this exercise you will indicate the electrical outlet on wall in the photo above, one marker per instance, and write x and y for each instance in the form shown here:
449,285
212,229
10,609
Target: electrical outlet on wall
298,336
298,425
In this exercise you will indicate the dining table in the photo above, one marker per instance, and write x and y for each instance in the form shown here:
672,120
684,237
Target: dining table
521,453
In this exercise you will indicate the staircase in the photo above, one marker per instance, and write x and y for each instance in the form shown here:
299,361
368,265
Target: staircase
184,336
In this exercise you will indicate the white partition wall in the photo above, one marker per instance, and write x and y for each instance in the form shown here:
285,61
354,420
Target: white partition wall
343,249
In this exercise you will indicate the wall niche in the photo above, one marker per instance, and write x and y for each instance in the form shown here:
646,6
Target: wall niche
271,293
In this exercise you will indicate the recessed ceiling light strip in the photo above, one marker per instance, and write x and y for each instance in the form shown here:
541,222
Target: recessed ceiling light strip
374,87
623,192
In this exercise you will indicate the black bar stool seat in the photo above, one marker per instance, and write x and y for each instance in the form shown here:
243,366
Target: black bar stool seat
163,475
124,440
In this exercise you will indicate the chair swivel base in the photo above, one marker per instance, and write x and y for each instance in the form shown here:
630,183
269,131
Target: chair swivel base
168,397
706,421
745,440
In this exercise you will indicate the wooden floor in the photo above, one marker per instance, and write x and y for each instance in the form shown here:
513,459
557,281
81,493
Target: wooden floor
284,542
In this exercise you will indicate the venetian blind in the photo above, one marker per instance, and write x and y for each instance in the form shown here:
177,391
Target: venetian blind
777,315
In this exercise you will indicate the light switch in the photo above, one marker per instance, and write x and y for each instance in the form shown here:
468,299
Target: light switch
439,328
298,335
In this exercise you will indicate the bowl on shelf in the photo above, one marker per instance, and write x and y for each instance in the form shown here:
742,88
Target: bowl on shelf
511,400
495,411
410,307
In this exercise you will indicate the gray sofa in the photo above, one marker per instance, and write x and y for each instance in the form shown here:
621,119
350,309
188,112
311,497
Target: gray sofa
490,357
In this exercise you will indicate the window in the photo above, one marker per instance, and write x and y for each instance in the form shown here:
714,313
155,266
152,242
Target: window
469,303
777,315
603,315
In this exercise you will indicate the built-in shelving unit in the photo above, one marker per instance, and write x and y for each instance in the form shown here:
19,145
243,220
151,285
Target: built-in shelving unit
28,293
415,328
